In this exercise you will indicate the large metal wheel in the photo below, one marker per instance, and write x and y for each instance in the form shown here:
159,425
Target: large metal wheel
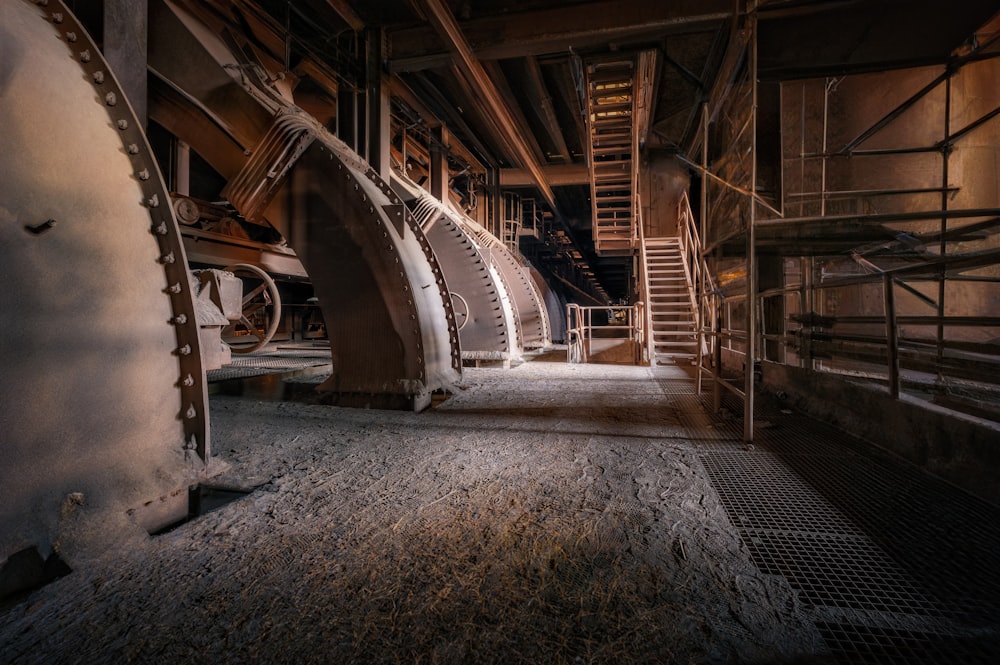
261,310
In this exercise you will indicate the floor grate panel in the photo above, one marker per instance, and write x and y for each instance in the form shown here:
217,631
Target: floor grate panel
836,571
908,564
247,366
864,644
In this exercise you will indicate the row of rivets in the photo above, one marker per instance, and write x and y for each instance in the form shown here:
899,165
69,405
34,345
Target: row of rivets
74,34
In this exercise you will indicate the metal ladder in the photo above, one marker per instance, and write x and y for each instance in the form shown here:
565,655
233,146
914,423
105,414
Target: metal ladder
611,151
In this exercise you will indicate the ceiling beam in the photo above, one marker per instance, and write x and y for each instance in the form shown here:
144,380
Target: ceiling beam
566,90
347,13
472,70
466,99
595,24
557,175
449,116
539,93
499,79
407,96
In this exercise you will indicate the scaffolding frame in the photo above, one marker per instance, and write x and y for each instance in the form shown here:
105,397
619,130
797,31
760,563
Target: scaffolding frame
917,266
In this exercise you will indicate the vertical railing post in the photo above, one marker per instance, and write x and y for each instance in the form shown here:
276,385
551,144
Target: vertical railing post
703,235
891,335
717,374
943,246
751,281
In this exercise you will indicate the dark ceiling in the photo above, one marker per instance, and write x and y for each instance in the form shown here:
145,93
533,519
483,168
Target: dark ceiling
532,51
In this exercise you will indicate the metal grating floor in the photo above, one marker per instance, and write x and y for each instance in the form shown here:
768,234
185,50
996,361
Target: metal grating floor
896,566
267,362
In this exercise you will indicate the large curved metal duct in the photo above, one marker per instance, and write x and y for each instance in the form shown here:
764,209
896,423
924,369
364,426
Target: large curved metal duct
532,320
392,329
102,403
555,305
483,306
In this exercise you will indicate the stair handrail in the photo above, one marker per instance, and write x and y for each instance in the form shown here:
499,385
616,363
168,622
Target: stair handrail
695,267
644,285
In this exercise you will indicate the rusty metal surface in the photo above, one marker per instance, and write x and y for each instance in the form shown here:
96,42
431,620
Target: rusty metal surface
392,328
103,391
483,308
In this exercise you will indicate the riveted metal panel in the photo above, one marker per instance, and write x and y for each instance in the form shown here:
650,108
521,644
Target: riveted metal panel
392,328
103,390
388,315
529,308
481,302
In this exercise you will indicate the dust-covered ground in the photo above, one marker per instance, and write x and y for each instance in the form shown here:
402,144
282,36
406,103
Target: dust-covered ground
550,513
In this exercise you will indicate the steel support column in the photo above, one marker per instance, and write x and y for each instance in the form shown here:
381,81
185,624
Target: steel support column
751,240
439,175
125,37
377,107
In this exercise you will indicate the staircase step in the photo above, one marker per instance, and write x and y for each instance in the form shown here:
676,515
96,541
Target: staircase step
621,74
600,164
612,138
625,150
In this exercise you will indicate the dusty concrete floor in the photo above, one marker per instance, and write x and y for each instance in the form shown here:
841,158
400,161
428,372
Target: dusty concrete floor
551,513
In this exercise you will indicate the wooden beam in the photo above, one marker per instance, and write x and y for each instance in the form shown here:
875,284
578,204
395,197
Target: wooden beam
559,29
470,67
557,175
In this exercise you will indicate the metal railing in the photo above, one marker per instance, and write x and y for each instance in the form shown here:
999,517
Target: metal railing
614,323
643,286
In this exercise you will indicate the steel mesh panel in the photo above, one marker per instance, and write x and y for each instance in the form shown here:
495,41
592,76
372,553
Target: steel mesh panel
244,367
864,644
759,492
837,571
908,564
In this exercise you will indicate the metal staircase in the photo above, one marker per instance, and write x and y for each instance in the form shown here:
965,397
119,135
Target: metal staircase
672,310
612,146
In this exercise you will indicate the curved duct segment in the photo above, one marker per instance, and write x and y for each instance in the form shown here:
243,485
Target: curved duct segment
393,333
532,319
555,305
483,305
103,405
